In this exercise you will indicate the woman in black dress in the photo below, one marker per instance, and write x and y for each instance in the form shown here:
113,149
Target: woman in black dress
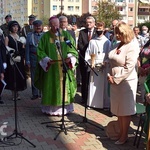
16,50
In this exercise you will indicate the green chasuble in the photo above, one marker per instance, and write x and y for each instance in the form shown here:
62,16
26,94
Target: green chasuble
51,82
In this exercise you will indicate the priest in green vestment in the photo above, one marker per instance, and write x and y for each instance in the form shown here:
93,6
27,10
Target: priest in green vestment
49,73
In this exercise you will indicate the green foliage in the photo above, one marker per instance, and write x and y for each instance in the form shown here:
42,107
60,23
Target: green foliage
144,24
106,12
81,22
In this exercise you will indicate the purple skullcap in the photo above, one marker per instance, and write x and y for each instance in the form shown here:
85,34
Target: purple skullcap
53,17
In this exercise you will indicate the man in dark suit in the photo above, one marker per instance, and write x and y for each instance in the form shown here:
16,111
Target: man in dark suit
4,26
25,30
64,24
84,36
28,28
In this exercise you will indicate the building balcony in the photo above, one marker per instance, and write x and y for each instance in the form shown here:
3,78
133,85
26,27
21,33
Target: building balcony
143,13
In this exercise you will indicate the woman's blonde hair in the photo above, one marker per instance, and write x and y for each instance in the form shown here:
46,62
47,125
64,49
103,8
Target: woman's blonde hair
124,31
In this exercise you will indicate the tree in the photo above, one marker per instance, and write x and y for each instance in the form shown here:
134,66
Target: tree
144,24
71,18
81,21
106,12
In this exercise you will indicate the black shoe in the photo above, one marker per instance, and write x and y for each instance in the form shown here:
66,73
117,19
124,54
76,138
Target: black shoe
1,102
34,97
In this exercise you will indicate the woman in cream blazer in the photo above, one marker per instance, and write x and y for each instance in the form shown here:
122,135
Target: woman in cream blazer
123,78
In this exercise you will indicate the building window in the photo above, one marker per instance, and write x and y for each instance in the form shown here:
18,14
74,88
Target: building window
120,8
70,0
61,8
142,9
77,8
34,9
130,1
70,8
54,7
77,0
35,1
130,8
142,18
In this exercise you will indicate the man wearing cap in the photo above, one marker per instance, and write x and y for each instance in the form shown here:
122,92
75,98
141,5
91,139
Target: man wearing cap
30,53
28,28
4,26
25,30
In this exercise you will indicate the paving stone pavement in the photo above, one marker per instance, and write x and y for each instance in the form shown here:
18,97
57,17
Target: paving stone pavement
82,133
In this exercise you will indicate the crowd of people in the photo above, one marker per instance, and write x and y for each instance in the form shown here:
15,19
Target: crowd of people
107,63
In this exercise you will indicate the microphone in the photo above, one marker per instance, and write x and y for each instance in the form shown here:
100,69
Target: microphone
68,42
57,44
58,31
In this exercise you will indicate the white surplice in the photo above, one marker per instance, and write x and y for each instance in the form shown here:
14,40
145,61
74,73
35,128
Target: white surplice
98,91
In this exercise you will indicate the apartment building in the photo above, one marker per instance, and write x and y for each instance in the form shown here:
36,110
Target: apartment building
2,14
19,9
127,10
65,6
144,11
131,11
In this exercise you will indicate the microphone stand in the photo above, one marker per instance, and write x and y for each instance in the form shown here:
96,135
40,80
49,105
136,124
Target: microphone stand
64,70
85,120
16,134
